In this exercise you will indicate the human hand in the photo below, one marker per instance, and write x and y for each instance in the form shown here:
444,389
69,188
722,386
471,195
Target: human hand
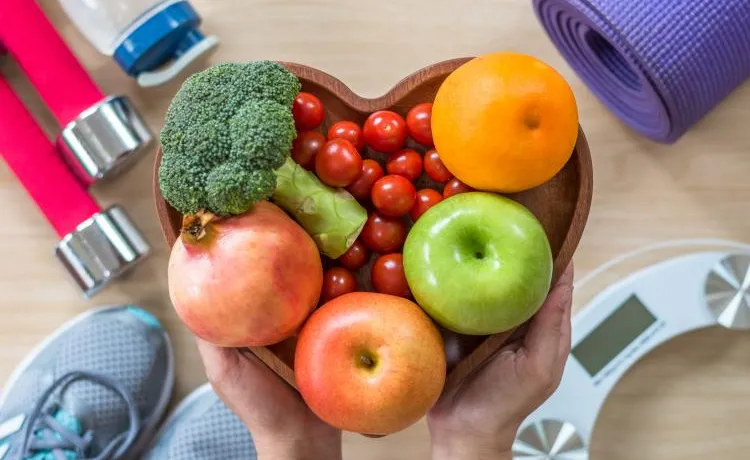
281,424
479,419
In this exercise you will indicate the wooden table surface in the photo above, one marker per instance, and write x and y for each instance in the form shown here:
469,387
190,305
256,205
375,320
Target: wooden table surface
690,399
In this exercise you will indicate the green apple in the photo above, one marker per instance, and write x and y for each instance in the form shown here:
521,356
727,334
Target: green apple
478,263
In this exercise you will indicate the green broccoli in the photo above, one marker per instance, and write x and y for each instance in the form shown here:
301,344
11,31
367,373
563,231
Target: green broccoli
225,144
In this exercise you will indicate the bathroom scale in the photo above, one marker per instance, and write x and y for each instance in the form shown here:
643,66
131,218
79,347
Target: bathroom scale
624,322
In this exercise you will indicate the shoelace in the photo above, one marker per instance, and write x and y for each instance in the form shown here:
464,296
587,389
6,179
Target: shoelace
42,432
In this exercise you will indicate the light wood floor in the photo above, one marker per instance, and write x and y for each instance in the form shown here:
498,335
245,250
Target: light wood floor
689,400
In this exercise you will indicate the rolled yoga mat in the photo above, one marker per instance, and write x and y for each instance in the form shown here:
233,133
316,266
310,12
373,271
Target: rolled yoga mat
659,65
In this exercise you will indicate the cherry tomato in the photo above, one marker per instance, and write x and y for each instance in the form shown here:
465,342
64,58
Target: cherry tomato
435,168
385,131
355,257
347,130
383,234
426,198
393,195
454,187
407,163
419,123
337,281
370,173
307,111
338,164
388,276
306,147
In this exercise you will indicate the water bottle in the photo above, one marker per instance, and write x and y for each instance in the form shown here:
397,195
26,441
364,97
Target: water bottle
152,40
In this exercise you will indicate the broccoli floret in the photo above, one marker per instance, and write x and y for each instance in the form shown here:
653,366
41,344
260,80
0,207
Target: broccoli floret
221,90
230,187
225,146
229,117
261,134
271,81
186,163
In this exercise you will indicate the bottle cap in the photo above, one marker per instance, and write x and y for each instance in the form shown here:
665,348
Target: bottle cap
103,140
101,249
171,35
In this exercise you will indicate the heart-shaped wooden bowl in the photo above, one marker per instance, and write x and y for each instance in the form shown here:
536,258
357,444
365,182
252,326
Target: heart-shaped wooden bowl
562,204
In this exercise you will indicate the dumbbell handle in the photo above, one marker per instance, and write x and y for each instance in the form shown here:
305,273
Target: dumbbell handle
61,81
35,162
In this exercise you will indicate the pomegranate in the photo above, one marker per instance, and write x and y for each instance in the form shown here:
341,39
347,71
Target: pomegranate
247,280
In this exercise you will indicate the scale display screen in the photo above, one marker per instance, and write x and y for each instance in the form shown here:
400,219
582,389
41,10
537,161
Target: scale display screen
613,335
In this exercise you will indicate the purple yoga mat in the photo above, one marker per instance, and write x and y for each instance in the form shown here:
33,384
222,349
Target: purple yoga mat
659,65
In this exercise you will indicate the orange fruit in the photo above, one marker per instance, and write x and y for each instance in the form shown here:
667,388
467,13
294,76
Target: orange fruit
504,122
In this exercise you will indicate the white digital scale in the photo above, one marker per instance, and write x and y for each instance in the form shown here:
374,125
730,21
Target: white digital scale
622,324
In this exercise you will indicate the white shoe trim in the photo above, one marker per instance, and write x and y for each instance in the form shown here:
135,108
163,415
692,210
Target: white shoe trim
11,426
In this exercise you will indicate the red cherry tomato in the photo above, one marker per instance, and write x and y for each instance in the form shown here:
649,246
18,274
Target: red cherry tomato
306,147
419,123
393,195
388,276
355,257
338,164
347,130
370,173
337,281
426,198
383,234
435,168
307,111
385,131
454,187
407,163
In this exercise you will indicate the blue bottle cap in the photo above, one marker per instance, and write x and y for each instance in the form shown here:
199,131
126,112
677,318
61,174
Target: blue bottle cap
168,35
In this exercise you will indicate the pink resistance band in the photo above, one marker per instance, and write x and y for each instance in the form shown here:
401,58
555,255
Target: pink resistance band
37,165
50,66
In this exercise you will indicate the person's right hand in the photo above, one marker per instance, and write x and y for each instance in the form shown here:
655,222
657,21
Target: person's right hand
282,426
479,419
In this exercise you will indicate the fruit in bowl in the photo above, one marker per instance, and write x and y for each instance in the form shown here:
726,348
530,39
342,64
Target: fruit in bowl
229,295
505,122
370,363
485,241
358,227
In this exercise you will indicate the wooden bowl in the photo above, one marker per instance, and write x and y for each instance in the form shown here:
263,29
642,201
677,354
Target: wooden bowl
562,204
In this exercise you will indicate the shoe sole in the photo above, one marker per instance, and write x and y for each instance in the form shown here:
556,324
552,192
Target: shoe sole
179,410
161,405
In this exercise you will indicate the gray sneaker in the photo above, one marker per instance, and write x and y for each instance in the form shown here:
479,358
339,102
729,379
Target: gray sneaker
202,428
94,389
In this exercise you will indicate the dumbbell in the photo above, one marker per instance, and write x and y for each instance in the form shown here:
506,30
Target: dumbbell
100,135
96,245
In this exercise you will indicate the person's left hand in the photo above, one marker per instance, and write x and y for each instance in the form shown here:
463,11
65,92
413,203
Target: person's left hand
281,424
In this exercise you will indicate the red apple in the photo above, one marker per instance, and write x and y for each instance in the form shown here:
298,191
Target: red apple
370,363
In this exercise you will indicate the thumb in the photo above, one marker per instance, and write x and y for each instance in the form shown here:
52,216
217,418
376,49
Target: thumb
238,369
222,365
550,328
